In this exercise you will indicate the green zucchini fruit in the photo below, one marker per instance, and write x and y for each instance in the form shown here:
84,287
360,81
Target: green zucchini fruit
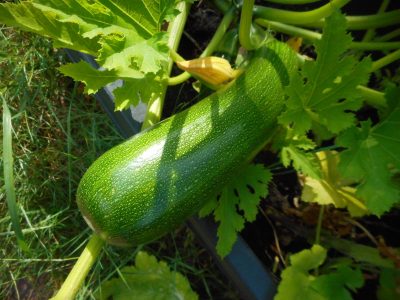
151,183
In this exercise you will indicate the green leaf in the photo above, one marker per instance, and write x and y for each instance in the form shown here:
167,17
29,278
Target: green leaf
360,253
74,24
298,282
293,153
93,78
252,185
242,193
324,92
135,90
208,208
372,158
389,282
125,37
331,188
296,279
230,221
302,161
147,280
336,285
66,28
146,56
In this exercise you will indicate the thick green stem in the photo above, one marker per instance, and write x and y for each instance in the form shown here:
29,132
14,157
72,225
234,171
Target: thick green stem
219,33
289,29
372,97
362,22
298,18
216,39
312,36
175,55
386,60
175,30
246,20
222,5
80,270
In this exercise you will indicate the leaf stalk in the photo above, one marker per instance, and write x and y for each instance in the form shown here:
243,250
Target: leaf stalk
298,18
175,30
246,20
312,36
77,276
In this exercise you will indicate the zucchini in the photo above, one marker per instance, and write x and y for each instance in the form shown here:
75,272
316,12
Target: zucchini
151,183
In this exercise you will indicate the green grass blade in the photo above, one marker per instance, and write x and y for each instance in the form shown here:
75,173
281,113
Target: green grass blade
9,177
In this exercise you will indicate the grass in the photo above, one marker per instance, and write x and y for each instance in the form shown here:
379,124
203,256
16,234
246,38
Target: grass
57,132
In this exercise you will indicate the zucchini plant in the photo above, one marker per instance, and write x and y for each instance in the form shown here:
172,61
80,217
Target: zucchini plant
301,107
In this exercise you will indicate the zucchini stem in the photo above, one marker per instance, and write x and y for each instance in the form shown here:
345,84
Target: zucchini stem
389,36
298,18
175,30
80,270
315,18
175,55
386,60
364,22
216,39
246,20
312,36
372,97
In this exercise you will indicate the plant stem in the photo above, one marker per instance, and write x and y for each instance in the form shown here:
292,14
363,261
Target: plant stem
363,229
372,46
175,55
220,32
175,30
364,22
298,18
387,59
387,37
80,270
319,225
293,2
372,97
369,35
289,29
312,36
246,20
216,39
222,5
